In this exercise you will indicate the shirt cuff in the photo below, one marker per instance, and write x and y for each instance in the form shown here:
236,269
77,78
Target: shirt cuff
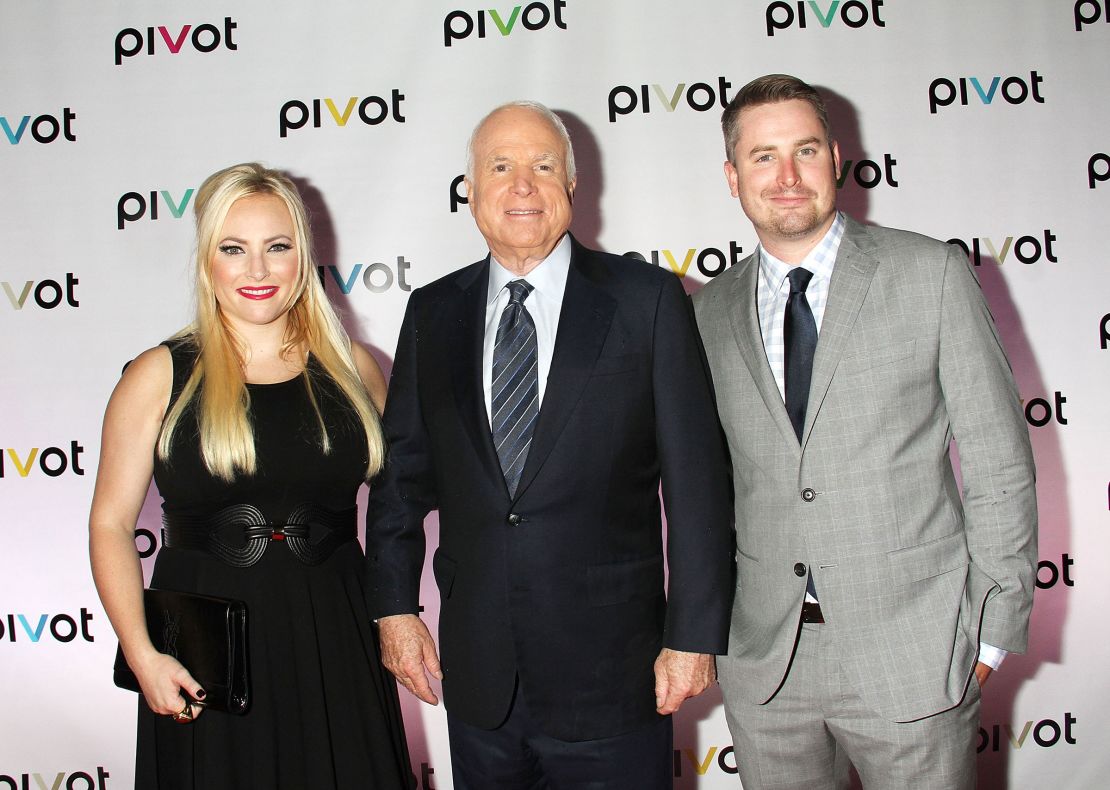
991,656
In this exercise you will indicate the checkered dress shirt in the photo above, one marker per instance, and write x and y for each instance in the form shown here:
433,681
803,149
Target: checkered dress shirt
774,289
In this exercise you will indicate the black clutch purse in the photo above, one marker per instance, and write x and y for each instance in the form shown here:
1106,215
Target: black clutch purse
208,636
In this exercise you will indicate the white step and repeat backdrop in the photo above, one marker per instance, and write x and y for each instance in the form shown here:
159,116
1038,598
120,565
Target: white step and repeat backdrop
985,123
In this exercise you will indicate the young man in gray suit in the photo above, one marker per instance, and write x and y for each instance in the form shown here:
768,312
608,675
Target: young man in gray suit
871,602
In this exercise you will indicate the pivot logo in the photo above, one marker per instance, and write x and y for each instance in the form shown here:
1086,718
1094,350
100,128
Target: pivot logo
1039,412
1098,169
47,294
372,110
375,277
1087,12
134,205
725,760
21,627
855,14
53,461
1046,732
458,193
1027,249
700,96
205,38
1015,90
1049,573
1104,331
458,25
710,261
868,173
78,780
44,128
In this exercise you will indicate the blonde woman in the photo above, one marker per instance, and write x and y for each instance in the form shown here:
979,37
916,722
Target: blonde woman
259,423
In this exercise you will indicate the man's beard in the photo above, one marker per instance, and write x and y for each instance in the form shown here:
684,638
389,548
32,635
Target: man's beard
796,222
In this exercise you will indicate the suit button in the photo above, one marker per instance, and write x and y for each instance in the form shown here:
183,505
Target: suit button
514,519
808,495
799,569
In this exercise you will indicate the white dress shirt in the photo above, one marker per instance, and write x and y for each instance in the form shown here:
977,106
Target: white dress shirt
549,281
771,296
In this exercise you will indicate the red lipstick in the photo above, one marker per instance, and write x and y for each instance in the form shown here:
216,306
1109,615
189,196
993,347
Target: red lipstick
257,294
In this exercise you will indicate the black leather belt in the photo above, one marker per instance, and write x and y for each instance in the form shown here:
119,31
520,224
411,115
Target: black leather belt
240,534
811,612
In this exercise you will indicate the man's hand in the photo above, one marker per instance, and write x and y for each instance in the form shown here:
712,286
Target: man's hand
679,676
407,648
982,672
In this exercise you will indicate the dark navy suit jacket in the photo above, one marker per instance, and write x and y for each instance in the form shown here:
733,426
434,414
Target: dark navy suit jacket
563,585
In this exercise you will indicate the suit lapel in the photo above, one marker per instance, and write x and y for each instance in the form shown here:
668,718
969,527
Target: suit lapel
744,316
851,279
584,320
466,343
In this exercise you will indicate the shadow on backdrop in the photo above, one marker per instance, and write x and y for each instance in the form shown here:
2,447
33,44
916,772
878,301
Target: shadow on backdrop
588,221
1000,734
325,244
852,198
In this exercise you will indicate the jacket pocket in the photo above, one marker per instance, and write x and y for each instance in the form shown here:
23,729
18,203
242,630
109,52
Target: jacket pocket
617,582
930,559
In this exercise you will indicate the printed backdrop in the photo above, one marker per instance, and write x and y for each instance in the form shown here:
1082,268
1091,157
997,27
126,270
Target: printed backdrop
982,123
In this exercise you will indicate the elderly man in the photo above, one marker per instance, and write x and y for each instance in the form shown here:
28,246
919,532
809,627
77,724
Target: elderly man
845,358
538,397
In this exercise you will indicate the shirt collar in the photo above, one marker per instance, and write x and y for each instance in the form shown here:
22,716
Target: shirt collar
549,276
820,260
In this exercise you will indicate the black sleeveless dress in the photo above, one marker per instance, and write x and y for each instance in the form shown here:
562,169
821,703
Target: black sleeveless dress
324,712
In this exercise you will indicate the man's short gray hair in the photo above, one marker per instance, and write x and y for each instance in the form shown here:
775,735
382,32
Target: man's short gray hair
541,110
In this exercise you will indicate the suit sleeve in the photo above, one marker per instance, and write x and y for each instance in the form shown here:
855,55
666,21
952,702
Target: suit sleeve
403,493
694,481
996,460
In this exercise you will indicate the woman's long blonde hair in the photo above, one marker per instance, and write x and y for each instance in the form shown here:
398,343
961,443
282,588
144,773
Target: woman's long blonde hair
216,383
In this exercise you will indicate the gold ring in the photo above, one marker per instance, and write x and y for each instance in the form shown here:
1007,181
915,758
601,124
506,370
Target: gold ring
185,715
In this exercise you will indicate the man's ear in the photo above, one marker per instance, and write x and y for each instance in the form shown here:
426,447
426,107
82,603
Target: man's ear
733,179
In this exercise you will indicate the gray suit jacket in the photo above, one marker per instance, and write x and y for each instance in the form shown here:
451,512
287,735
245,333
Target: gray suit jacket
909,576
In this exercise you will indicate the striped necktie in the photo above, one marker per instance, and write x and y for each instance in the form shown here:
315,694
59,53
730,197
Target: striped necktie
515,388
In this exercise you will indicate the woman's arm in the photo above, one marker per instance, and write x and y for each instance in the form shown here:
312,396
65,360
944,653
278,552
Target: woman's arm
132,422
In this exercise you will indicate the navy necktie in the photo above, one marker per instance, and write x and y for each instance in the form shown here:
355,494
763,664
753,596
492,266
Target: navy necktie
800,341
515,387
